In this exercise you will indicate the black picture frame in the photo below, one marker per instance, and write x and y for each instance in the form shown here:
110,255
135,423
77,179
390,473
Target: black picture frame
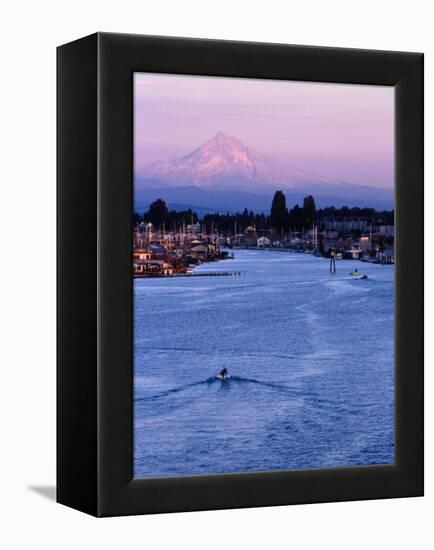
94,373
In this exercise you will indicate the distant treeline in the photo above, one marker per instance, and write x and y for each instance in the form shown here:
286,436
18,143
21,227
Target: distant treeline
280,218
158,214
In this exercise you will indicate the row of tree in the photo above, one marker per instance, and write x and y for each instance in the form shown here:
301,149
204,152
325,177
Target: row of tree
384,217
159,215
297,217
280,218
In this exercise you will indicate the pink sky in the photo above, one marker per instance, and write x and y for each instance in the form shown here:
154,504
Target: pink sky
339,131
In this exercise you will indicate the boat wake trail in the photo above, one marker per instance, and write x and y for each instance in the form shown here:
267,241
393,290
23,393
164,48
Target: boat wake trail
250,388
242,380
179,389
232,381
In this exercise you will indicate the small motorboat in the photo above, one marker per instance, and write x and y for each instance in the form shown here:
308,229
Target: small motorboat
223,374
358,274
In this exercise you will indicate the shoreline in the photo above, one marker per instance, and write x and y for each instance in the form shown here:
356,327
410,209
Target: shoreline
321,256
240,273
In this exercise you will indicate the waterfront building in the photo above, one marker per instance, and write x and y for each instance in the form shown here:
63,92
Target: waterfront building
347,225
152,268
354,252
199,252
263,242
140,254
158,251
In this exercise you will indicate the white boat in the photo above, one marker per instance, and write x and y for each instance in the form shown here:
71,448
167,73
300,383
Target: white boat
358,274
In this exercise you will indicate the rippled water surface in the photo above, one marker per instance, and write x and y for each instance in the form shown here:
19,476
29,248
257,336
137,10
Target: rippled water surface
310,356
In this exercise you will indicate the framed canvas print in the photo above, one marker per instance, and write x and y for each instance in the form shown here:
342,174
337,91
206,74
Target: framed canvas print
240,274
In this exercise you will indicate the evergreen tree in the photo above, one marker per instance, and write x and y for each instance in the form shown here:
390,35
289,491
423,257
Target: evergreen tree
279,212
308,210
296,219
158,212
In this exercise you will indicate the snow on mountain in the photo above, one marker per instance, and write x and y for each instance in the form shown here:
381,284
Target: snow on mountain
222,161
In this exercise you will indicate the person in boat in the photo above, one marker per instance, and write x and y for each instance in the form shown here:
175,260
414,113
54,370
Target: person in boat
223,373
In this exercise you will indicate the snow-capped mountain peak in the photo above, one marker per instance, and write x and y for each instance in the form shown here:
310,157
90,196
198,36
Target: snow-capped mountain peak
222,161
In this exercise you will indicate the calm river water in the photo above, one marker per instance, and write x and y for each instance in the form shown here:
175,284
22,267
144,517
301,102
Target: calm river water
311,359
